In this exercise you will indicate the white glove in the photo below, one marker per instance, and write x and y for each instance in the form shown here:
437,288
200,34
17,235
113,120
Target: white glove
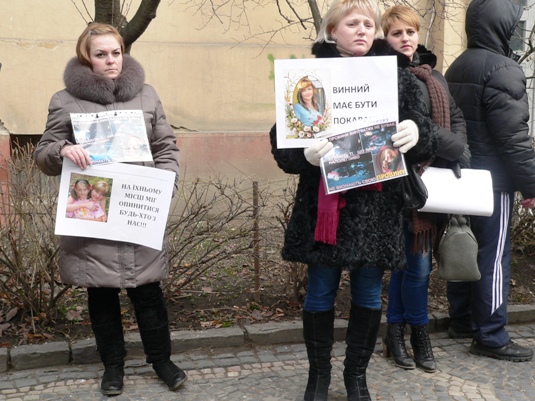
407,136
314,153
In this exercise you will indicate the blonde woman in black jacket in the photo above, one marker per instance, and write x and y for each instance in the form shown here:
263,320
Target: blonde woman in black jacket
367,238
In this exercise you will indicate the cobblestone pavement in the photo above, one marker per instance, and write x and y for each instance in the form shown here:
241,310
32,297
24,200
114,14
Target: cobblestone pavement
277,373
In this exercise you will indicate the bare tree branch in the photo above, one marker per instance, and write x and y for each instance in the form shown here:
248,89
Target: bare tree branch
138,25
316,14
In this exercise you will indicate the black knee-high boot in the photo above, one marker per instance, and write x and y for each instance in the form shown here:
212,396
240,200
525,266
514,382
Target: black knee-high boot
362,332
105,314
318,332
151,314
111,348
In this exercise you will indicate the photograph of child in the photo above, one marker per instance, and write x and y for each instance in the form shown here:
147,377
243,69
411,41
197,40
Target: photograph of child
88,198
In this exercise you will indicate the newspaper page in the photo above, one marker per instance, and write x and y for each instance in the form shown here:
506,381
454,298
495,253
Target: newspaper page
112,136
316,98
115,201
362,156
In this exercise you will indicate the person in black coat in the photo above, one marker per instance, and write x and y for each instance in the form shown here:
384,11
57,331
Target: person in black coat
368,238
490,88
408,289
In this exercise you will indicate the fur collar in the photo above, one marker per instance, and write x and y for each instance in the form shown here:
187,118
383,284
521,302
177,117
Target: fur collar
423,56
82,83
380,47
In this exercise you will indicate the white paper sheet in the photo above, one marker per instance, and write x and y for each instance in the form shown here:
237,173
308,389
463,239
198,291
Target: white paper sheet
471,194
347,90
138,203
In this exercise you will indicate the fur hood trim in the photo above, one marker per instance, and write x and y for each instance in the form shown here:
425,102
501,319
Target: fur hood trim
83,83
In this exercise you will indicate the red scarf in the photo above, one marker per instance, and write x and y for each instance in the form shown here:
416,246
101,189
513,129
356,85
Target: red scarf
329,207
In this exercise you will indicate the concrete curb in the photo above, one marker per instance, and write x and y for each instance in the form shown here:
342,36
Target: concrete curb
84,351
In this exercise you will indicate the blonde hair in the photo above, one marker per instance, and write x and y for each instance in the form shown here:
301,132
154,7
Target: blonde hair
340,9
84,41
397,14
101,187
305,83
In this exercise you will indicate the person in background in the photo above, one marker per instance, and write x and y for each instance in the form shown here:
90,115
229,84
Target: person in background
408,289
360,229
490,88
101,78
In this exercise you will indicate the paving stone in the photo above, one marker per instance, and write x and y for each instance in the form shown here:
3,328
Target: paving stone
85,351
269,372
40,355
226,337
4,358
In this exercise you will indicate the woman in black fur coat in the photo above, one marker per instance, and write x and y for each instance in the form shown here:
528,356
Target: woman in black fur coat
368,237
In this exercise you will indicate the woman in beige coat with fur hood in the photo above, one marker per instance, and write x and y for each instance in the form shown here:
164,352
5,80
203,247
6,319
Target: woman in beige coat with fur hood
103,78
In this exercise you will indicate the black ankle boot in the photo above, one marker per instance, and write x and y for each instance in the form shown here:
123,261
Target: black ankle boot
112,380
421,347
157,346
394,345
318,332
361,337
171,374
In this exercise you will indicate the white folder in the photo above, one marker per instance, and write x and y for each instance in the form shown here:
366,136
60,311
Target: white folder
471,194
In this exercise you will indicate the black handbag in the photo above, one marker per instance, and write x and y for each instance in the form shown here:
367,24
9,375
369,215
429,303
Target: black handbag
413,188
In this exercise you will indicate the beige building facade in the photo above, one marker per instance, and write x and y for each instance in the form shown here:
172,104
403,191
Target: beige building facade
214,75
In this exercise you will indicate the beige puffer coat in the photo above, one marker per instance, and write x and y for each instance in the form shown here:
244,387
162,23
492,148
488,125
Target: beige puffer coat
90,262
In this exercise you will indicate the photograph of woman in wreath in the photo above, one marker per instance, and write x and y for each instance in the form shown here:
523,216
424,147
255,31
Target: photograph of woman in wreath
310,101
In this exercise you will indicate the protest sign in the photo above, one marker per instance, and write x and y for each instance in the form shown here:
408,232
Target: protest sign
136,205
318,97
362,156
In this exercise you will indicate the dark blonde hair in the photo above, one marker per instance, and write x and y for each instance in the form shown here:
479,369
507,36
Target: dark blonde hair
84,41
402,14
305,83
340,9
101,187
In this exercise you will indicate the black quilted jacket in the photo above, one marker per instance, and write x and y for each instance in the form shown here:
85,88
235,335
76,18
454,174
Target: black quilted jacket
490,89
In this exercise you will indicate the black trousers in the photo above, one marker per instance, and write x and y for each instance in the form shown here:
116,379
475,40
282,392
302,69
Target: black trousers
148,301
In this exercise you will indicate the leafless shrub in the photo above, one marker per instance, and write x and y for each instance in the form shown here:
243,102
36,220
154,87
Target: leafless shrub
523,229
275,217
29,277
210,223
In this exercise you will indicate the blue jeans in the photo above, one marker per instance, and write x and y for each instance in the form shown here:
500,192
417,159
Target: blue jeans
408,289
323,283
